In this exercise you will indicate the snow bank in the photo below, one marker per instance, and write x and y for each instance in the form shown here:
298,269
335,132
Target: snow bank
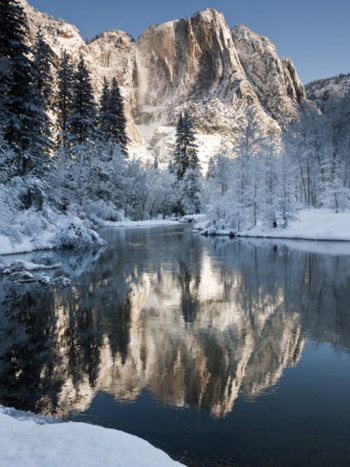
7,247
316,224
146,223
32,441
64,232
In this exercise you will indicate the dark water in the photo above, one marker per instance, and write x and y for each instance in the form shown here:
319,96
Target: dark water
233,349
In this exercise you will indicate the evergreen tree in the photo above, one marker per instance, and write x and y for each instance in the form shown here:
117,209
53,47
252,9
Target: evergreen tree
112,119
13,29
42,66
116,105
13,26
185,154
7,161
186,166
104,120
25,124
64,95
82,120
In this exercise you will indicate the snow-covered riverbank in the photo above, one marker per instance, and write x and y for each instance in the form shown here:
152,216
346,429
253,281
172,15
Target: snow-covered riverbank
66,232
61,232
145,223
33,441
316,224
313,224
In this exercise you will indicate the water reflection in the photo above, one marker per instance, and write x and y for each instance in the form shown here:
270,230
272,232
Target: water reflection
196,322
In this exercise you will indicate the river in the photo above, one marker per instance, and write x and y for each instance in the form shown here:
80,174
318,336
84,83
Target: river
233,349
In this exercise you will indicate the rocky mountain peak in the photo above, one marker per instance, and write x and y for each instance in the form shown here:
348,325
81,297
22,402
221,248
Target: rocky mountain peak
186,58
194,63
274,80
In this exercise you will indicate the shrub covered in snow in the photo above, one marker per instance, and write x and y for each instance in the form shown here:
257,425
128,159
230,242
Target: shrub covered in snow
73,234
104,210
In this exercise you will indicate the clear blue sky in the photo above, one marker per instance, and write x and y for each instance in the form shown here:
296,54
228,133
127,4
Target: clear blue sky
315,34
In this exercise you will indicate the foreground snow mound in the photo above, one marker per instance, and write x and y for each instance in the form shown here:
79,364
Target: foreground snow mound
32,441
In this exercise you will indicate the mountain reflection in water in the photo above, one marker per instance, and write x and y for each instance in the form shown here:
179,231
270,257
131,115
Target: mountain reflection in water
196,322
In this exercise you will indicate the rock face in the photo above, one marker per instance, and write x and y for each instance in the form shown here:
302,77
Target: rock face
275,81
196,63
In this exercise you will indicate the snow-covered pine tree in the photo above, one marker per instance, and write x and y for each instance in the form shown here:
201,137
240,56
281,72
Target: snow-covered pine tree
180,163
42,63
103,113
116,105
7,161
64,95
186,166
25,125
185,153
83,113
112,118
13,27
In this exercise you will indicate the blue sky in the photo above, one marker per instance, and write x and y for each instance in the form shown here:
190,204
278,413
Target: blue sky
315,34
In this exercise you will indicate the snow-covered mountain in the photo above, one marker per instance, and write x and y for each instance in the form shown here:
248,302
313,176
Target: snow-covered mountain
196,63
328,92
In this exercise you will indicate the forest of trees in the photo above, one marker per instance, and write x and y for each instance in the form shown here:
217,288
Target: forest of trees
65,150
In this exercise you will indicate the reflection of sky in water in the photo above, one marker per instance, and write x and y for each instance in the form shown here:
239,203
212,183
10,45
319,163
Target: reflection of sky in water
190,330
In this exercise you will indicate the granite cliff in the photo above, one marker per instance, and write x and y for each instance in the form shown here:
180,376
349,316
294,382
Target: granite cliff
196,63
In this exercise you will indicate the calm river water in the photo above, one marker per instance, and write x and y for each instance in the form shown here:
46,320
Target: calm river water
234,349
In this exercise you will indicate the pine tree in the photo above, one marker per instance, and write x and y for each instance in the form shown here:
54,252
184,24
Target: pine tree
185,154
25,125
112,119
116,105
13,27
42,66
103,115
64,95
82,120
186,166
7,161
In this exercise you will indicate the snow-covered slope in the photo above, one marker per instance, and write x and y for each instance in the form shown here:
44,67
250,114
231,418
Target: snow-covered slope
329,91
32,441
196,63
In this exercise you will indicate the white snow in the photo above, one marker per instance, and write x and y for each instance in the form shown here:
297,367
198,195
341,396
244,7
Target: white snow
32,441
145,223
65,232
34,266
312,224
7,247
